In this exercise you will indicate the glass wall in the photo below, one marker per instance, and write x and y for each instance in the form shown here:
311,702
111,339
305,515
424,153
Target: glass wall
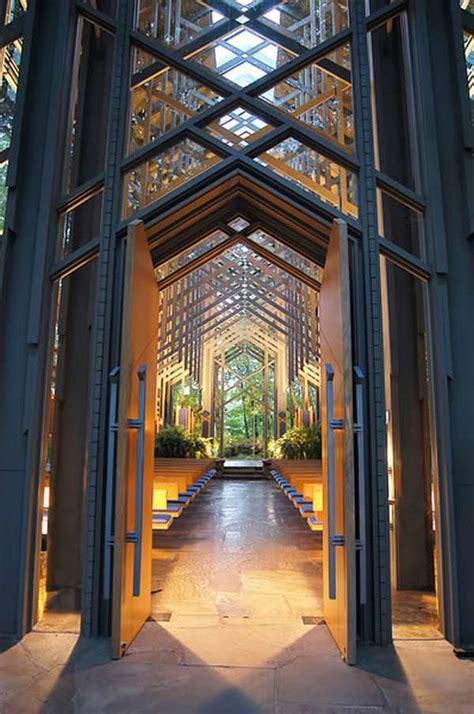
10,67
65,444
408,401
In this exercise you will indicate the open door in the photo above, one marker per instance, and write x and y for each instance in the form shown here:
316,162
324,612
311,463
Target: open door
339,546
131,584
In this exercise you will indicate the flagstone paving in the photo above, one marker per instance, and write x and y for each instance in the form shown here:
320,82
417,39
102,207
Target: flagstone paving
232,580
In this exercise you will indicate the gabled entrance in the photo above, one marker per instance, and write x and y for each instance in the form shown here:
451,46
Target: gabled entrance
333,316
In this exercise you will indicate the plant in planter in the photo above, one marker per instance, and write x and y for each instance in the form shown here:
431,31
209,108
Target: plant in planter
177,442
298,443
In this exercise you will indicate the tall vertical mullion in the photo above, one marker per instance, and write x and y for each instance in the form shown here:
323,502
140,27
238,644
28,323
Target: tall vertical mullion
381,599
93,615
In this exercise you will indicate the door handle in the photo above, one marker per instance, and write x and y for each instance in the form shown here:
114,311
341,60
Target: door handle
109,481
135,536
332,425
359,381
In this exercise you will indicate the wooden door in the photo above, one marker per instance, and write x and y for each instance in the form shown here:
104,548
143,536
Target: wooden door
131,584
339,548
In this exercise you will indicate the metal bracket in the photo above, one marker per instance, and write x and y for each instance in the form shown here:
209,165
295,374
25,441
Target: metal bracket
359,432
333,425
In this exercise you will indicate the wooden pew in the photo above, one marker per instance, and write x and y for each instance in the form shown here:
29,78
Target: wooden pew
176,482
306,492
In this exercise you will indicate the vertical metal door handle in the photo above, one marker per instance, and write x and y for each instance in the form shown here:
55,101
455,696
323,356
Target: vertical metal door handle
359,380
139,425
332,425
109,482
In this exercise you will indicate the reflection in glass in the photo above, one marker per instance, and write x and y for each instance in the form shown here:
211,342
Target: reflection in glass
3,194
164,101
467,5
314,172
399,223
238,127
190,254
164,172
10,59
90,99
320,95
64,453
15,9
80,225
175,23
409,424
469,54
242,56
308,22
392,102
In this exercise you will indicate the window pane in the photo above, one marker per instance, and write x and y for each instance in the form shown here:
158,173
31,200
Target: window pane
3,194
174,22
107,6
166,100
90,104
399,223
469,54
393,122
320,96
190,254
10,58
239,127
80,225
165,172
307,22
65,444
14,9
242,56
314,172
410,445
467,5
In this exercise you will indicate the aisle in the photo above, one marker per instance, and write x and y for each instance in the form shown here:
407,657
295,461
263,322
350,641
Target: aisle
240,552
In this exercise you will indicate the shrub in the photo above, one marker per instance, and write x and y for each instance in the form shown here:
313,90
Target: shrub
298,443
177,442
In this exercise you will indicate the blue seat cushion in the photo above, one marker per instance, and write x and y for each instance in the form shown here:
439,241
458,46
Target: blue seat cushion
306,507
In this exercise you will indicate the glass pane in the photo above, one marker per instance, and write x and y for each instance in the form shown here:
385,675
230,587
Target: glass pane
90,99
308,22
469,54
399,223
410,445
174,22
393,120
314,172
190,254
107,6
238,224
320,95
166,171
3,194
163,102
80,225
10,58
373,5
64,454
467,5
239,127
287,254
14,9
242,56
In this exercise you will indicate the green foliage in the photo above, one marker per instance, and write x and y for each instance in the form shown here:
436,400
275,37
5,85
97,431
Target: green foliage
300,442
176,442
240,446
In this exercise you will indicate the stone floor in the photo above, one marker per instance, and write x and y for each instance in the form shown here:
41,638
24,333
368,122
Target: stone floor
233,578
